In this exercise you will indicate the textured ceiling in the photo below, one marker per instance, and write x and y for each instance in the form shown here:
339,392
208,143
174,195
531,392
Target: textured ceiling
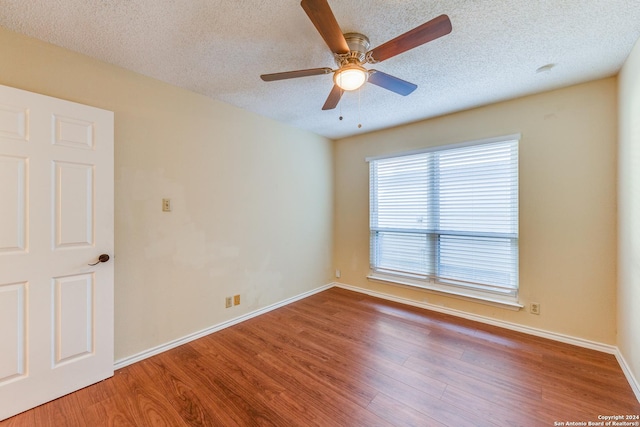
220,47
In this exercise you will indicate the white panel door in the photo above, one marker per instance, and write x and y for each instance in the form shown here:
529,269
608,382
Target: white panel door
56,218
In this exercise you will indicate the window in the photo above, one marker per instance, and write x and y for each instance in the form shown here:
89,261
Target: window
447,219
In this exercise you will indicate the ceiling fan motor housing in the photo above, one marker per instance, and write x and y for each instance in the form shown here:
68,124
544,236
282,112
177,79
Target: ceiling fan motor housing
358,48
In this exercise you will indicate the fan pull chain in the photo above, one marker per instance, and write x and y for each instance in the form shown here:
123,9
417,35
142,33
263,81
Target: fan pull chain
359,119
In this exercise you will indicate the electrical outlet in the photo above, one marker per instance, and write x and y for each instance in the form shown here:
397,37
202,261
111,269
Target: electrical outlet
228,302
338,274
236,300
166,205
534,308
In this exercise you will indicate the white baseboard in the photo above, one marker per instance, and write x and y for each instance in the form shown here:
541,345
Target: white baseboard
633,382
121,363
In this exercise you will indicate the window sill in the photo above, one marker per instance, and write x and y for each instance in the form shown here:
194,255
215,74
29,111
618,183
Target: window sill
506,302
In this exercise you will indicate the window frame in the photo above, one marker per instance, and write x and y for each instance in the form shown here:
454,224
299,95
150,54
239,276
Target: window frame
494,295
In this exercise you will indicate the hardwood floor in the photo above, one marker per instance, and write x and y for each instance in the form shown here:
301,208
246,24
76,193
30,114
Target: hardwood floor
340,358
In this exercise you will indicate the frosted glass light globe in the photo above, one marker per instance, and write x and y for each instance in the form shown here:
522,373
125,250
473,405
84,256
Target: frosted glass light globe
350,77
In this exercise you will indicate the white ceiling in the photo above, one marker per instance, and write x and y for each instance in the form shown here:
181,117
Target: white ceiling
220,47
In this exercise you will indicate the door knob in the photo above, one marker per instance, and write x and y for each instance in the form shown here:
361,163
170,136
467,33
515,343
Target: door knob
102,258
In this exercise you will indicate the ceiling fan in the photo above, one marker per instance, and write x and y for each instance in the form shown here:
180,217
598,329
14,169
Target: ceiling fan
351,52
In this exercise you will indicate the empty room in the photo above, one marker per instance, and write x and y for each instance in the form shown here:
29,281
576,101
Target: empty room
319,213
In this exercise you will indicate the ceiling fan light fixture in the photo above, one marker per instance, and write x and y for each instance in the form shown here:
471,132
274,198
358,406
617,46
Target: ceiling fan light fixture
350,77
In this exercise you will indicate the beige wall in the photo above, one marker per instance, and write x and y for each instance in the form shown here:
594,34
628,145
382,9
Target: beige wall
629,213
252,198
567,204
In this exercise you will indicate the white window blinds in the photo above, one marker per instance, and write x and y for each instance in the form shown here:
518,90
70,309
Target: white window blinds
449,216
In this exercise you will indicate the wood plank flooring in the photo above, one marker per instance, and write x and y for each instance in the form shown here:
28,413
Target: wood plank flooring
340,358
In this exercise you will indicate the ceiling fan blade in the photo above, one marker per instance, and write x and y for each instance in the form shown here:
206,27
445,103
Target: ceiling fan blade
389,82
295,74
333,99
426,32
325,22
